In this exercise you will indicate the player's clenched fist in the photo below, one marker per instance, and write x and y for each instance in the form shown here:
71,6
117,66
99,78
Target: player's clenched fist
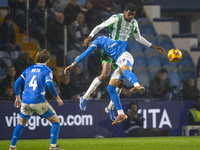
69,68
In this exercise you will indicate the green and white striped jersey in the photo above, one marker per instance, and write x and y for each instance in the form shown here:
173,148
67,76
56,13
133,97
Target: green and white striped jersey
120,29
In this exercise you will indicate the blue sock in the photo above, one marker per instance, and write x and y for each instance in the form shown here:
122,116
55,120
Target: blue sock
55,129
130,76
114,96
16,134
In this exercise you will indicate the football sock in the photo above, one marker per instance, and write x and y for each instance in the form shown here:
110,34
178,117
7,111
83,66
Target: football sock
131,77
120,112
111,104
95,83
16,134
114,96
55,129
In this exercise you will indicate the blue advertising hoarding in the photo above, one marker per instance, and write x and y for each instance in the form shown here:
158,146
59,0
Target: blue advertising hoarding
94,122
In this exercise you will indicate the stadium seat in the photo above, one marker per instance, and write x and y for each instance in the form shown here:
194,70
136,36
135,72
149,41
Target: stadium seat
136,53
139,69
170,68
143,78
174,79
185,72
71,55
147,29
4,54
134,45
186,60
149,37
151,53
139,61
165,61
144,21
160,38
153,61
8,61
153,70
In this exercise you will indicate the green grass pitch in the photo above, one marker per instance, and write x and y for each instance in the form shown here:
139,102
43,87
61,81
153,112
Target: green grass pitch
152,143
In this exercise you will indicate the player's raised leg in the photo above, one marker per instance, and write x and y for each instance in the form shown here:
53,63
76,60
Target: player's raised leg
116,100
106,68
110,108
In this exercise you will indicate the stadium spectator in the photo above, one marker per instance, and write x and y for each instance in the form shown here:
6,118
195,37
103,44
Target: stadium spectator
78,80
91,15
96,95
54,7
18,11
8,35
71,11
78,31
67,91
21,62
3,68
160,86
55,72
55,35
38,18
194,113
9,80
94,70
8,94
124,93
134,124
105,8
189,90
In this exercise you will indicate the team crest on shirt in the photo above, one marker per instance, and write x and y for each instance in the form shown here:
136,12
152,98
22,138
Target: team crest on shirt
51,75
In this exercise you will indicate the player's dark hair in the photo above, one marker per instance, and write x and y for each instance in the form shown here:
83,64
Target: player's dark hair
134,103
130,7
42,56
163,70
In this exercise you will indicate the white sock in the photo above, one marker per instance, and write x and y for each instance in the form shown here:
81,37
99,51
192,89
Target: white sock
13,146
95,83
111,104
120,112
53,145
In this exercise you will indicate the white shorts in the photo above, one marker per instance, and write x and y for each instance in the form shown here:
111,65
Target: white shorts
125,59
117,74
44,110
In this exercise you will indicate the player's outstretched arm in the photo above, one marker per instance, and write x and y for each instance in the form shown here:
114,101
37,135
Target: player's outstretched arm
69,68
159,49
84,55
18,100
53,91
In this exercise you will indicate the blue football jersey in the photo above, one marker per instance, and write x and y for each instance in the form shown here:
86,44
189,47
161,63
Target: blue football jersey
110,47
35,78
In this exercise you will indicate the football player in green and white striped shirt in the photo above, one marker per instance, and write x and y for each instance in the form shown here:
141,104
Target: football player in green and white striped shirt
121,27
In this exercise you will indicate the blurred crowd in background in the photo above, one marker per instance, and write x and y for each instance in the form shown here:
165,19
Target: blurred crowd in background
80,19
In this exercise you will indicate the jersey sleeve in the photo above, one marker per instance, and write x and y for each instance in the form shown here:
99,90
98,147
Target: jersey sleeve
108,23
137,35
49,76
23,75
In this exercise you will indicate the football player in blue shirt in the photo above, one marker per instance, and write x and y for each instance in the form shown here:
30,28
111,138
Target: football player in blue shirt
36,78
118,51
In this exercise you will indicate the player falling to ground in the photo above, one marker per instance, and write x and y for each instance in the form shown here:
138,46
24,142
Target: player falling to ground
121,26
117,50
36,78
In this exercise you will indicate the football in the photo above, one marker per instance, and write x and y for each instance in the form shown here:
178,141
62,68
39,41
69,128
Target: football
174,55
